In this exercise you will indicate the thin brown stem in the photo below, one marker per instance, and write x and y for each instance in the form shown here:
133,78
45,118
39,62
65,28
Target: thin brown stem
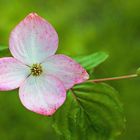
113,78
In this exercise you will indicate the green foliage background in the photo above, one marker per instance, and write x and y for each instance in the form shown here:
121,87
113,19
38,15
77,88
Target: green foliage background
84,27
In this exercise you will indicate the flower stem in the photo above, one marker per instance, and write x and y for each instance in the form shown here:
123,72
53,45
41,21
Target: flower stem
113,78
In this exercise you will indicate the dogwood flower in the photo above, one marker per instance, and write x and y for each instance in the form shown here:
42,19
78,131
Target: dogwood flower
41,76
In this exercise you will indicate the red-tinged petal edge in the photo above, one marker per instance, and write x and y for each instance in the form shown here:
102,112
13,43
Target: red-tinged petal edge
66,70
43,94
33,40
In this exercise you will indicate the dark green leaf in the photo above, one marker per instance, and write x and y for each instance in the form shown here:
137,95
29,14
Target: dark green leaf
4,51
91,112
93,60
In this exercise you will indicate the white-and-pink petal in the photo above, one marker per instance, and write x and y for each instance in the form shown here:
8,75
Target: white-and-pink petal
12,73
33,40
65,69
43,94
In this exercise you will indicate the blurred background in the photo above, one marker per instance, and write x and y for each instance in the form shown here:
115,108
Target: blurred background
84,27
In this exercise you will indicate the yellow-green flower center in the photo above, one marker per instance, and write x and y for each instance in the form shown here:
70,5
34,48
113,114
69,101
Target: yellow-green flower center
36,69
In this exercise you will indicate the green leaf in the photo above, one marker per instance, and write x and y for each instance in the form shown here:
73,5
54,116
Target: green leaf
91,112
4,51
2,48
138,72
91,61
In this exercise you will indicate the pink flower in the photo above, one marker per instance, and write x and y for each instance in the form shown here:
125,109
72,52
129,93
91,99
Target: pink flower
41,76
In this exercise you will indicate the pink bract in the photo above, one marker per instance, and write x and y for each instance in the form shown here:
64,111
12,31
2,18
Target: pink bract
41,76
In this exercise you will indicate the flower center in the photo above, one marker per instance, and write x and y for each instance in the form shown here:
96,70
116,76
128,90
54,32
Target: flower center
36,69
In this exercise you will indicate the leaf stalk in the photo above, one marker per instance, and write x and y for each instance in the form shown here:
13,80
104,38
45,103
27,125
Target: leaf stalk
113,78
